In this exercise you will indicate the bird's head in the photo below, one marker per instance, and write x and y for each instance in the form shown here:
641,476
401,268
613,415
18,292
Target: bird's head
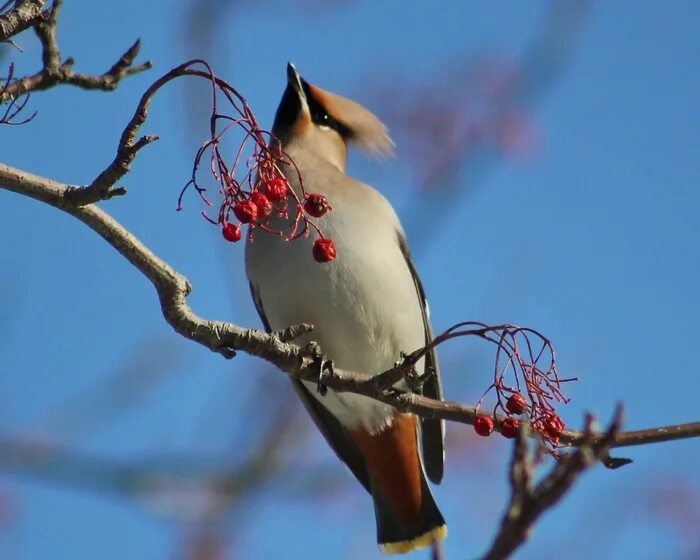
323,122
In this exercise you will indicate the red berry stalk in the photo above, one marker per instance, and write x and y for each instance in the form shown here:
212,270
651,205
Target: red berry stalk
525,378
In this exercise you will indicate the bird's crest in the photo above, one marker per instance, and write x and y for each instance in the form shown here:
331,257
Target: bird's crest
363,127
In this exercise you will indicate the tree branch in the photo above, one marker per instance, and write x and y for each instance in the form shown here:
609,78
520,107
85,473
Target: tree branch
24,15
54,72
302,363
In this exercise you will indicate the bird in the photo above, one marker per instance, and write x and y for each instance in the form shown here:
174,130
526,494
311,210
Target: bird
367,307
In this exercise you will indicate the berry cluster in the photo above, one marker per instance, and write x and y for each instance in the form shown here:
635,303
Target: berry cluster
550,425
525,380
516,405
253,186
274,196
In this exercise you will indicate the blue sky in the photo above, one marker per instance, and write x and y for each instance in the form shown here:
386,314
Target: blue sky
591,239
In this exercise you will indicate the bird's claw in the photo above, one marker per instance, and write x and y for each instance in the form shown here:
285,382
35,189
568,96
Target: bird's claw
428,374
413,379
324,365
416,380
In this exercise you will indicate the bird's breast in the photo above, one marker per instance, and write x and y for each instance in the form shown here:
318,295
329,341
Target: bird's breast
363,305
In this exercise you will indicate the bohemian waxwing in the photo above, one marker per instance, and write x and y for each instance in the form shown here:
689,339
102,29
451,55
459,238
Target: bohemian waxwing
367,307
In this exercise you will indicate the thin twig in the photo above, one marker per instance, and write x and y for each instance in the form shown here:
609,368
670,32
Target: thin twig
14,107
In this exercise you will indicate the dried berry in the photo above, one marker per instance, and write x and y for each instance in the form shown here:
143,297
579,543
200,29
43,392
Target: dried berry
316,205
246,211
263,204
553,426
516,404
483,425
276,189
324,250
231,232
510,428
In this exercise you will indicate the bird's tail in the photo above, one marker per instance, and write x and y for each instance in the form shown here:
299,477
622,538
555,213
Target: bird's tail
407,517
398,536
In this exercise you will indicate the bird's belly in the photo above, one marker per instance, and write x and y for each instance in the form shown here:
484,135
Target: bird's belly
349,310
355,341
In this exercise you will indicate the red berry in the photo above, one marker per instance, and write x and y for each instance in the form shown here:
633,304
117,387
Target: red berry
246,211
316,205
263,203
516,404
510,428
231,232
276,189
553,426
483,425
324,250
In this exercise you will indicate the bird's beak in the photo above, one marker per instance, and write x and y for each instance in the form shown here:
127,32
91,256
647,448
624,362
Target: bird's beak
293,109
295,81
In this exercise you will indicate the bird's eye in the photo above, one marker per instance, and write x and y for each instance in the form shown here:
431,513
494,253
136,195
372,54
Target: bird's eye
324,120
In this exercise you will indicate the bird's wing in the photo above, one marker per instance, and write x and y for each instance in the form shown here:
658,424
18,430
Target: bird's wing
432,429
334,432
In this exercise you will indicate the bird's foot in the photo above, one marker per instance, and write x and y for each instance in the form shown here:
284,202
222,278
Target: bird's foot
421,379
413,379
323,364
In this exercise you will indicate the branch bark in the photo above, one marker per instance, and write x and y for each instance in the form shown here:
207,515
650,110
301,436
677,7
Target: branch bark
24,15
54,72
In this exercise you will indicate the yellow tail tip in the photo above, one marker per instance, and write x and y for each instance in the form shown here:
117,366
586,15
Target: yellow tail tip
426,539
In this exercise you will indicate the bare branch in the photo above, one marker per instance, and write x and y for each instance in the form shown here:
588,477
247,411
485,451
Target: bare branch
24,15
641,437
55,72
102,187
527,504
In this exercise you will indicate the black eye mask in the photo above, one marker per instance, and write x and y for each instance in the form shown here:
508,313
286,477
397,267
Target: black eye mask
321,117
